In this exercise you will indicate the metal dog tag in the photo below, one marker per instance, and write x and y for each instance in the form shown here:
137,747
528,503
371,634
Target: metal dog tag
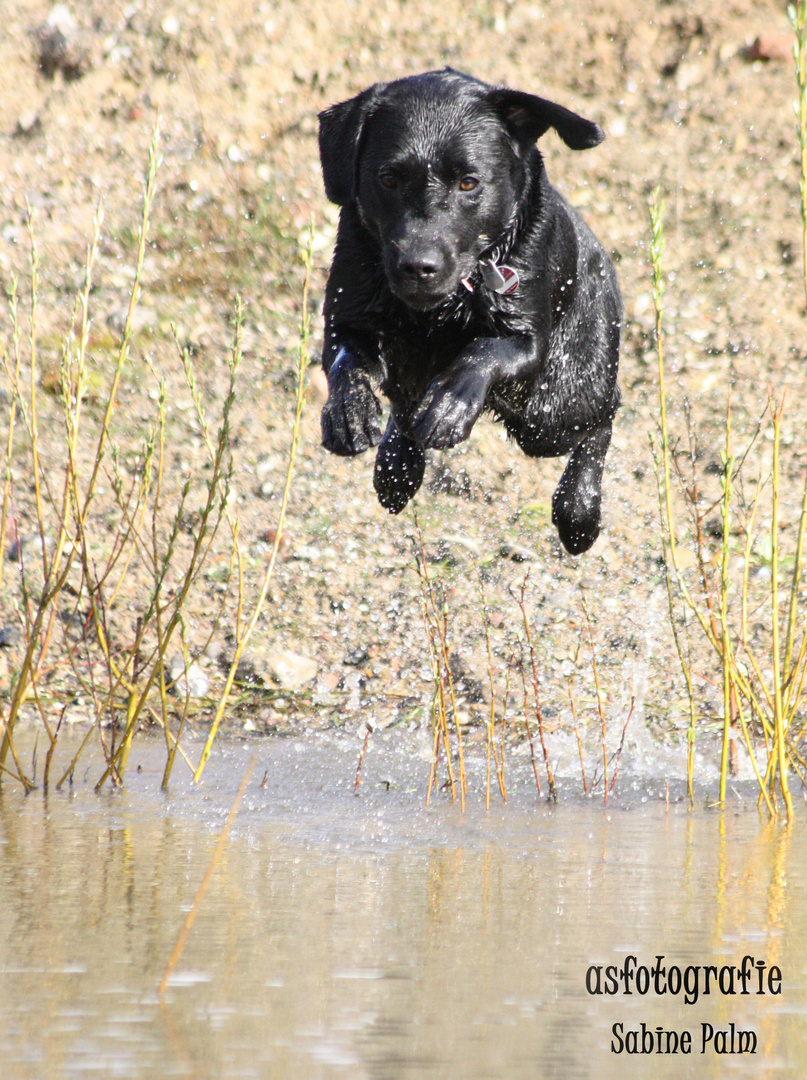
499,279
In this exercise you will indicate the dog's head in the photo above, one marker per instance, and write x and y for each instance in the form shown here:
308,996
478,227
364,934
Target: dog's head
437,164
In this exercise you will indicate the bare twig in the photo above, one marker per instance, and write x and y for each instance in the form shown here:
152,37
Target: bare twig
367,735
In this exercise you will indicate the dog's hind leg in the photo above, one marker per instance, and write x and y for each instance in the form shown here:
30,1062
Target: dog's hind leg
576,502
399,468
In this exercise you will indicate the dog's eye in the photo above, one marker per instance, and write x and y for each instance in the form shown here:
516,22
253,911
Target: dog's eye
468,183
388,181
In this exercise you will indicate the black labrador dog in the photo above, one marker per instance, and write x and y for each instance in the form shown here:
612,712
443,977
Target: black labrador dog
463,281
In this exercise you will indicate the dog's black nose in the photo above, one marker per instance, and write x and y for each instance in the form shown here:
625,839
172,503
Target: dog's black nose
419,272
421,267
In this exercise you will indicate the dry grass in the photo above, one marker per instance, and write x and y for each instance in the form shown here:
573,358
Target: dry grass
98,527
511,652
762,677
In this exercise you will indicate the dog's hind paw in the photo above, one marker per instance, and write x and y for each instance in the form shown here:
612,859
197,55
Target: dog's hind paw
399,468
577,499
577,530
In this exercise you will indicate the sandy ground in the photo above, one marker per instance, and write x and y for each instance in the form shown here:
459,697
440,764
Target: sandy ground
237,87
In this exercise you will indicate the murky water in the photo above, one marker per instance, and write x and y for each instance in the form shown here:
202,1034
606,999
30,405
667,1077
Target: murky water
370,937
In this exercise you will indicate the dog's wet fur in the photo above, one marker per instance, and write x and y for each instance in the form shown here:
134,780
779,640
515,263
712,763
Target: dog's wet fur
434,173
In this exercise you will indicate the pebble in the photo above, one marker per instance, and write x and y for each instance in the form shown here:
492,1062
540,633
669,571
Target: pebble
770,47
356,657
268,465
307,553
464,542
170,26
9,636
143,318
191,683
442,554
290,669
215,648
685,558
62,46
28,123
76,714
249,667
450,482
30,545
322,693
516,553
61,19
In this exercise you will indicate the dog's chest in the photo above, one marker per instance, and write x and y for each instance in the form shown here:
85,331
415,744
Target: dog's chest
415,356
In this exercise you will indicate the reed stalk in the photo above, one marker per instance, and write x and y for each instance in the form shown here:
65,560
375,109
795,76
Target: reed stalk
39,623
779,717
442,627
367,734
118,678
246,634
500,759
795,584
14,379
599,701
550,777
668,539
439,663
724,614
439,621
621,744
529,729
772,702
798,21
490,740
577,737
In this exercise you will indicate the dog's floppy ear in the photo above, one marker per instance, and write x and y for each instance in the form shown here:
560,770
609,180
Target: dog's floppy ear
340,129
528,117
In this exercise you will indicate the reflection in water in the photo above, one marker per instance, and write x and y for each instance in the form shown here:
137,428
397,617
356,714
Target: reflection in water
372,938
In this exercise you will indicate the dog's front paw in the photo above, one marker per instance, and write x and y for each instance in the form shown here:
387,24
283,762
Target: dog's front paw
351,417
448,412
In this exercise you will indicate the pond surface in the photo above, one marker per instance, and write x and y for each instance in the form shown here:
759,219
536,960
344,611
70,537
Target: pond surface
371,937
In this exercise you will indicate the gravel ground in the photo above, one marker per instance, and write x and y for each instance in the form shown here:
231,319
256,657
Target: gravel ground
687,105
